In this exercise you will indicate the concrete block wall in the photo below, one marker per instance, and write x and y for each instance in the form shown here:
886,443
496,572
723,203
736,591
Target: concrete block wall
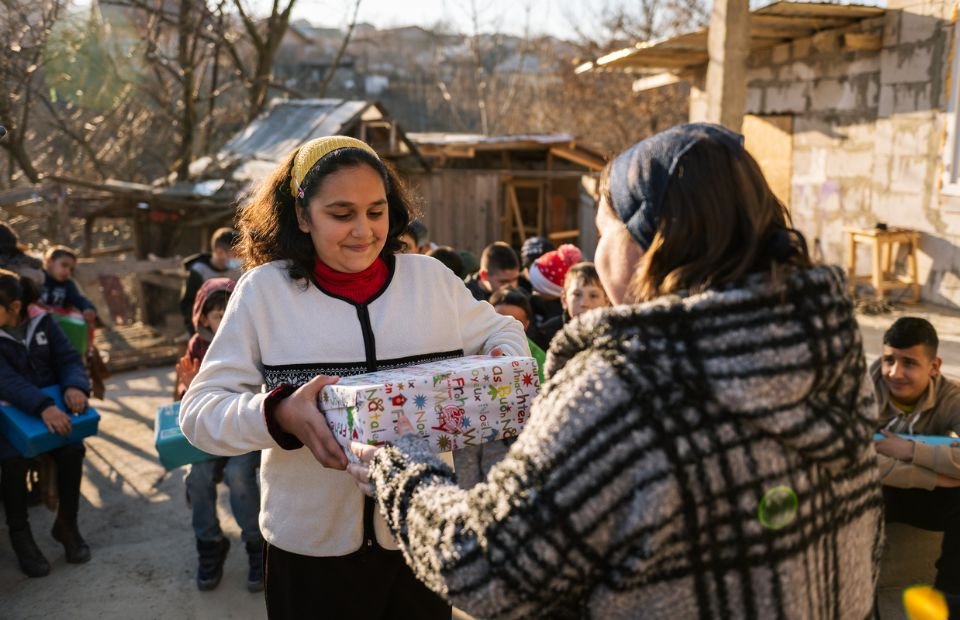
869,133
910,131
833,95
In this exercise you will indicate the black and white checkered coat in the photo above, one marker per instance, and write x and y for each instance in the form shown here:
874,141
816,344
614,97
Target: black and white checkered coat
634,490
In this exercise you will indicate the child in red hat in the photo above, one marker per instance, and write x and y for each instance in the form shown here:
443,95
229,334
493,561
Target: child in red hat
547,274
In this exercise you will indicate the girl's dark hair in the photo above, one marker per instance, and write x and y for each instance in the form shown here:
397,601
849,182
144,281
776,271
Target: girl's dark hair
720,221
512,296
268,225
14,288
216,300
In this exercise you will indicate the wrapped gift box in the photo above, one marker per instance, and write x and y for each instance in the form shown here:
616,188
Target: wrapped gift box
172,447
29,435
452,403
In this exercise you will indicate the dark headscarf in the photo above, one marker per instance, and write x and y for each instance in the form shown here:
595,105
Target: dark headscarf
640,175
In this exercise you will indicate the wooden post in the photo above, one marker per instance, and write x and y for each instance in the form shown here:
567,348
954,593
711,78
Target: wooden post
877,268
728,43
545,225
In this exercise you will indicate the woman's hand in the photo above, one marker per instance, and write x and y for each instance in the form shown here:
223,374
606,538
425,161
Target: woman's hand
75,399
299,415
57,421
365,453
187,369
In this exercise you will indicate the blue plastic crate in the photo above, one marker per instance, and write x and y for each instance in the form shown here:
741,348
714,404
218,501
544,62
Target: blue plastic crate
29,435
172,447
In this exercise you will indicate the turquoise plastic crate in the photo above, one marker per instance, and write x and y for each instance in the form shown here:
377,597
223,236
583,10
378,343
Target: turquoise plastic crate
172,447
29,435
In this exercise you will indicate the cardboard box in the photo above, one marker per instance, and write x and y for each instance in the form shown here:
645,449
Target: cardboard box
172,447
29,435
453,403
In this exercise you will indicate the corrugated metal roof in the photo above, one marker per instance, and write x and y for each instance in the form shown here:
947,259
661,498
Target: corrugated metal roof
288,124
777,23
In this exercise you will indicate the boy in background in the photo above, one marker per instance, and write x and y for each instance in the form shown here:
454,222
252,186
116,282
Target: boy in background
921,482
513,301
499,267
59,290
220,262
239,472
547,275
582,291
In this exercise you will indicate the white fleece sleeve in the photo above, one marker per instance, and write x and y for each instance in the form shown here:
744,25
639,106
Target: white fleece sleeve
222,411
482,328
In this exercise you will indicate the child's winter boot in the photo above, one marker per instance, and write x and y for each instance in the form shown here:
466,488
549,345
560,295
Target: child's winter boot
255,558
212,554
31,559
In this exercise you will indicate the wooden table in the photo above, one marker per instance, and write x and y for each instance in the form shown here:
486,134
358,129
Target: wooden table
885,246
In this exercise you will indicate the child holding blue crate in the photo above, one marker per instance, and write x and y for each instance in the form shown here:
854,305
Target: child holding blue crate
35,353
239,472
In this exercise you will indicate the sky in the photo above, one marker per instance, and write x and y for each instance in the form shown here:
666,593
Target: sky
552,17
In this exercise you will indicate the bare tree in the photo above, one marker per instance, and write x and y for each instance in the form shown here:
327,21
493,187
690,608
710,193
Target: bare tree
25,31
340,51
264,37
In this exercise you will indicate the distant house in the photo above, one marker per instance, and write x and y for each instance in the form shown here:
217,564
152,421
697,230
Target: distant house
287,123
472,189
488,188
852,111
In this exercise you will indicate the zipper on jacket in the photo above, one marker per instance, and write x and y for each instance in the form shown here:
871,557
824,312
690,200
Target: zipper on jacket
369,342
370,353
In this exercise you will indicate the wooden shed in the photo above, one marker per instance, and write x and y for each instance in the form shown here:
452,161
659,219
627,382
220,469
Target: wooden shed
482,189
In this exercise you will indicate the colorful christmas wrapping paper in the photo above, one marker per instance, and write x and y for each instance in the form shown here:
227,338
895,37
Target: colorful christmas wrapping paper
452,403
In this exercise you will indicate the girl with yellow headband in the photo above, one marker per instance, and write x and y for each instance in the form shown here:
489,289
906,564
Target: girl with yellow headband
325,295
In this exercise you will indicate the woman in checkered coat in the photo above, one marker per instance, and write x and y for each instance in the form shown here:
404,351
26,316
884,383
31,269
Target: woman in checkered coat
702,449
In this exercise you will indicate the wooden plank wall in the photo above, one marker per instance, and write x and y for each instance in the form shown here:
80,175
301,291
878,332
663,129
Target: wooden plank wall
461,208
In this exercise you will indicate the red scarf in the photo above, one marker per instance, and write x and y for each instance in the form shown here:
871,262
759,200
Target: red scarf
357,287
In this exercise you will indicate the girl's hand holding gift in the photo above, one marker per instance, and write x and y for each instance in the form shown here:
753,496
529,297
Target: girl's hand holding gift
299,415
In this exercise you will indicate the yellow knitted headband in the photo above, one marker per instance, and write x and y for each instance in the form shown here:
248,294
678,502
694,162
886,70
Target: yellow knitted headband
311,152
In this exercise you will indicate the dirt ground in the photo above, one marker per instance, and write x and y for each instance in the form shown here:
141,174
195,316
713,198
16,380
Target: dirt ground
134,517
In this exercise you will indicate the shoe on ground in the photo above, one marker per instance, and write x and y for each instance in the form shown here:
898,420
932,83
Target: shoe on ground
67,534
255,560
212,555
29,556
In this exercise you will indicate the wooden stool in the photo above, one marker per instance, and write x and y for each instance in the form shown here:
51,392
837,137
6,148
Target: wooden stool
885,246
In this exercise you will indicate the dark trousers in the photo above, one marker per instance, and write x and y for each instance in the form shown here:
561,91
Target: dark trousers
370,584
13,478
936,511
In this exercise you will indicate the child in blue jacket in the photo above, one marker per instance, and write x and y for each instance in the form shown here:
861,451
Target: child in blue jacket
35,353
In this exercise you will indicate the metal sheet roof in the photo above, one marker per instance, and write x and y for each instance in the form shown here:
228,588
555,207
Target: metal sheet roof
288,124
777,23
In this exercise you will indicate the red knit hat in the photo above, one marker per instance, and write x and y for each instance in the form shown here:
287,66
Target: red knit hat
548,271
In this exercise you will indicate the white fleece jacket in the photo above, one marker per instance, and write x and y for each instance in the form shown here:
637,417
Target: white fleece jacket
276,331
